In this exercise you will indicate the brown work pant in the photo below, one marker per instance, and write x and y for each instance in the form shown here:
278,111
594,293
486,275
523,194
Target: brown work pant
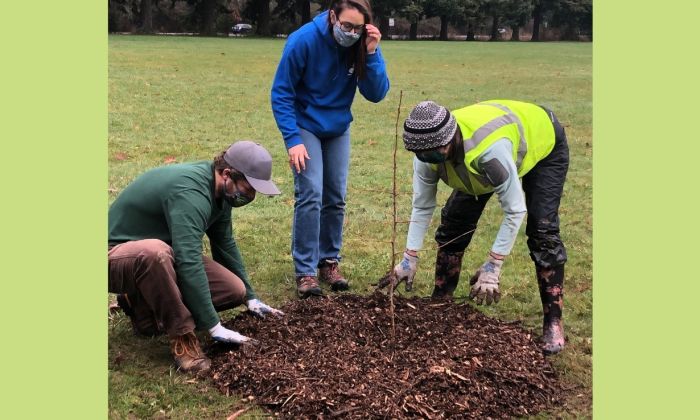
145,271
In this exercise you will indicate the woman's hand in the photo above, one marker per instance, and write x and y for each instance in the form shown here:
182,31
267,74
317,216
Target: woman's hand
297,156
373,37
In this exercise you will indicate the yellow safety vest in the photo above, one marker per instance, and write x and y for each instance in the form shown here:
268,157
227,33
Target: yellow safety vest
527,126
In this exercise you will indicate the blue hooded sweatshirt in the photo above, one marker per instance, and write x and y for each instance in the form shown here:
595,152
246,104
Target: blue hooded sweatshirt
314,88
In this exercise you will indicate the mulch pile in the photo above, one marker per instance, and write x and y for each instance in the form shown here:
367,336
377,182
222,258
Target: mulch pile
335,356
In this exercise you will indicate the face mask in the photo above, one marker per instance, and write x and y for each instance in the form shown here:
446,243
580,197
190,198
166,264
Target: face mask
344,39
236,199
431,156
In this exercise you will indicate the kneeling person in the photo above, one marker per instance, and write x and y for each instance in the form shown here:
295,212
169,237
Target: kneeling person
156,265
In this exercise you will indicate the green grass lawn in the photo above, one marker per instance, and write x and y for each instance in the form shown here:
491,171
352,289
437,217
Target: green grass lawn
181,99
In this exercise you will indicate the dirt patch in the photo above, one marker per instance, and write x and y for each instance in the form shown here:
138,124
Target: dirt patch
334,357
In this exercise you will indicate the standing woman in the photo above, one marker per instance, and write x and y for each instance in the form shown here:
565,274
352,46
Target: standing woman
322,65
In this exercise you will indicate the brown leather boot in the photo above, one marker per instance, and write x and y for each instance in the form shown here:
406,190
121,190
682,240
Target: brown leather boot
308,286
188,355
329,272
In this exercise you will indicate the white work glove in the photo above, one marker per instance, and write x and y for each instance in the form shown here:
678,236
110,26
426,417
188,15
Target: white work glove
485,282
406,270
224,335
259,309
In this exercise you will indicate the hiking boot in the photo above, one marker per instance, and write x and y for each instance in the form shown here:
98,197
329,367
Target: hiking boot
329,273
188,355
308,286
448,266
552,337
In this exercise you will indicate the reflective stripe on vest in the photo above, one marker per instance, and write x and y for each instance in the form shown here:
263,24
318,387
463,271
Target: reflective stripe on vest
485,130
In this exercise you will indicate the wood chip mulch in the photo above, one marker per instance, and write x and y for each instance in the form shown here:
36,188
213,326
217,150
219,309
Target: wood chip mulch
335,357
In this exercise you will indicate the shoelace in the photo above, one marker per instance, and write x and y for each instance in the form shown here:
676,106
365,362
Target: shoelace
187,342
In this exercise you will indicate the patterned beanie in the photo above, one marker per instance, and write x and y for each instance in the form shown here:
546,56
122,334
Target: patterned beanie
428,126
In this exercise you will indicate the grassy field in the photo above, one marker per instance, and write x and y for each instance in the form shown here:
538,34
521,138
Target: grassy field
182,99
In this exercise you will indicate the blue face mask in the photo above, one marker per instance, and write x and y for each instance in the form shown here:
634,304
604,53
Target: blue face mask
431,156
344,39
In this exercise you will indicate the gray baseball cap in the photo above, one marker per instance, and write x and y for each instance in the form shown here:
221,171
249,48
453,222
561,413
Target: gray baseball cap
255,162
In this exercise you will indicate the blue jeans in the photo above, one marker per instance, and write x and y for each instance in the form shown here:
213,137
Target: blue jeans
319,208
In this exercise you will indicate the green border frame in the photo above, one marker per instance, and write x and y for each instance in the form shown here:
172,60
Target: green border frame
54,167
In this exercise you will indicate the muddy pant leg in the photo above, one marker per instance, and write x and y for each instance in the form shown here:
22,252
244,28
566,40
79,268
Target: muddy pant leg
551,284
458,222
543,187
144,271
227,290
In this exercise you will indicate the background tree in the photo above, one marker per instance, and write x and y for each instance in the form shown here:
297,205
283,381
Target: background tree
542,10
413,12
383,10
258,13
573,16
445,10
471,15
496,10
146,17
205,13
517,14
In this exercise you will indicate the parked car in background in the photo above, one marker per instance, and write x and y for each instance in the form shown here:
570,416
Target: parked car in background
241,28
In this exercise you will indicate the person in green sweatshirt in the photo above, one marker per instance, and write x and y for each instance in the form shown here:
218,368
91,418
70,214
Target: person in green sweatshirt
163,280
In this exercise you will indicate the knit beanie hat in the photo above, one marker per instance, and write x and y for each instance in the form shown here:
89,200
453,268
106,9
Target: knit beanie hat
428,126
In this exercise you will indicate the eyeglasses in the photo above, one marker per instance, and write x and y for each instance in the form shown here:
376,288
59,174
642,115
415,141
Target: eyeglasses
347,27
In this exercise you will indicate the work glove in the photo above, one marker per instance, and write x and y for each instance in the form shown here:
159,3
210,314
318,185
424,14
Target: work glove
484,282
404,271
260,309
224,335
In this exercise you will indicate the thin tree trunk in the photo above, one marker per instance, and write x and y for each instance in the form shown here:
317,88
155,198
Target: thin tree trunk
537,16
413,31
570,33
208,18
304,11
516,33
494,29
444,20
384,26
470,32
146,17
263,18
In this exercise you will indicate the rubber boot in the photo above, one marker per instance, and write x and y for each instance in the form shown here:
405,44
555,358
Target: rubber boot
551,284
448,265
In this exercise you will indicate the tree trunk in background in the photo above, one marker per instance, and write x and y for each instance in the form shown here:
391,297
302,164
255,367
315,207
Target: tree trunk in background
570,33
444,20
494,29
383,25
304,11
146,17
470,32
537,16
413,31
516,33
208,18
263,18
